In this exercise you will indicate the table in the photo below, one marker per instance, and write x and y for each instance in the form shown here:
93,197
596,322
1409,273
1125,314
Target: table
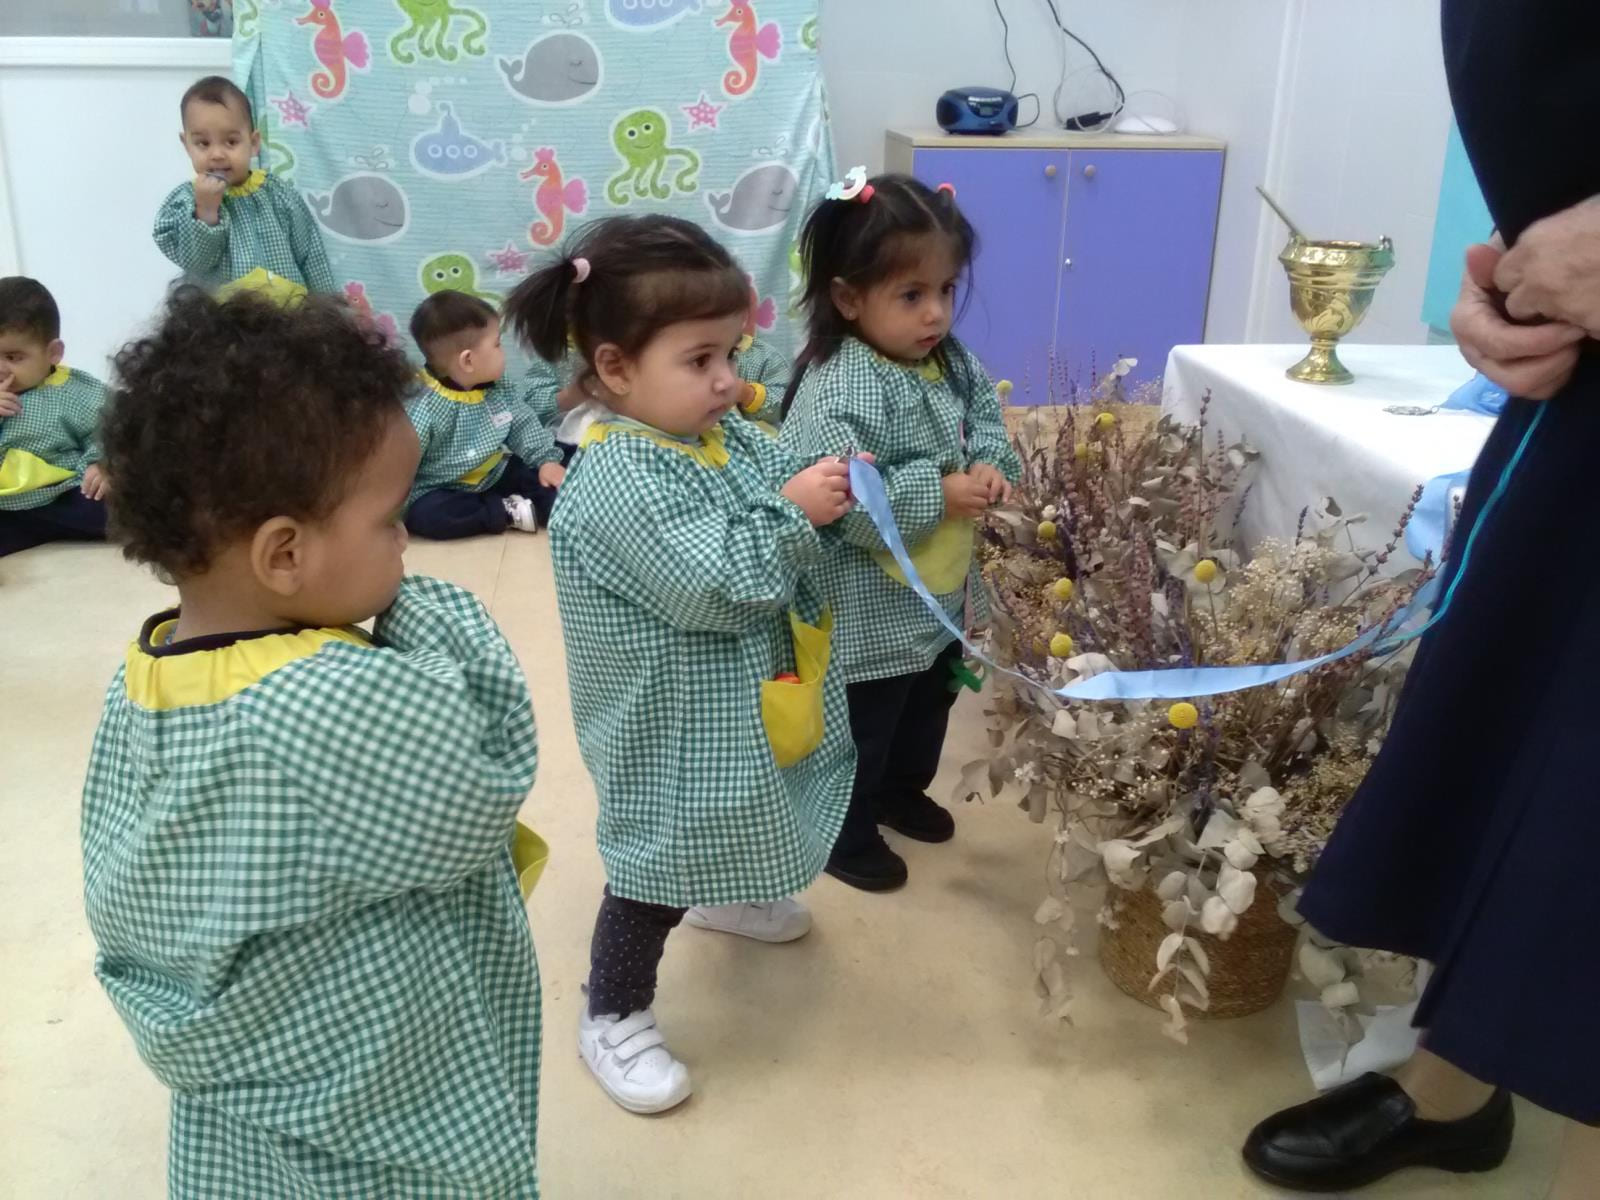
1330,441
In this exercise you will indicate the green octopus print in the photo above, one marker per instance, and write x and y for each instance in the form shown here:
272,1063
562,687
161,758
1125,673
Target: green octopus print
453,273
641,139
430,30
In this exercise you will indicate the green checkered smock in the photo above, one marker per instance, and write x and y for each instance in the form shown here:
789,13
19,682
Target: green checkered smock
298,875
762,364
57,430
675,574
264,223
466,435
912,419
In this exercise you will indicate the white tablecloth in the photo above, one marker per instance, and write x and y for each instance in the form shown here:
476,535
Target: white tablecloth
1330,441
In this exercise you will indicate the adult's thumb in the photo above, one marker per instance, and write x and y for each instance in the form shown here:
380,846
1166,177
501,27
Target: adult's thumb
1481,261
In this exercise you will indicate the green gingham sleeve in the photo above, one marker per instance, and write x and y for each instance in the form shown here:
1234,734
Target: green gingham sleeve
305,239
693,566
765,366
412,758
539,388
197,248
528,437
82,416
987,439
845,408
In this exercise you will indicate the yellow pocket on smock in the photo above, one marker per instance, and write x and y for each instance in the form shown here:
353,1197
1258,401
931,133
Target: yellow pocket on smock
529,853
943,558
271,287
23,472
792,710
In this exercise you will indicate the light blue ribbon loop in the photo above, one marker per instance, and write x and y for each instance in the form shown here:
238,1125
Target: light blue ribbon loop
1177,683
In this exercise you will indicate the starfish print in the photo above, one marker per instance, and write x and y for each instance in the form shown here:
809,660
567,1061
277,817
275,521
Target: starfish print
292,110
509,261
702,113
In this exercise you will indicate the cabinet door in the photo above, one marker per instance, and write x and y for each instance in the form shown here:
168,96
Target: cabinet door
1014,199
1137,254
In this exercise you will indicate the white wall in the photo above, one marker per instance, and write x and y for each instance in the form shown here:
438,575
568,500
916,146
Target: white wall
888,61
84,186
1363,117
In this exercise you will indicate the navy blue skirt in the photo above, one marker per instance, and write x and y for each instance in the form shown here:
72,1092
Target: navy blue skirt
1475,840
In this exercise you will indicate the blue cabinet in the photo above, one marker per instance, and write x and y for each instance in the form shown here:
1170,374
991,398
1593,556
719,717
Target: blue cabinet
1090,248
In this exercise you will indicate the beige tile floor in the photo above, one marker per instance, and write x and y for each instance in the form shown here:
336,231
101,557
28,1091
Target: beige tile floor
893,1053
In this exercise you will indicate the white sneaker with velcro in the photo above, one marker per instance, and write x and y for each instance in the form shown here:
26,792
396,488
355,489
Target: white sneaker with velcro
629,1057
780,921
521,512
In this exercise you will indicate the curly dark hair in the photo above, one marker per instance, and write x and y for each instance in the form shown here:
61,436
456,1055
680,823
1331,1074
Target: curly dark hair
230,413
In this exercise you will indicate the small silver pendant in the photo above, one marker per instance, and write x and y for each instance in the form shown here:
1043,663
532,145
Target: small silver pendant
1411,410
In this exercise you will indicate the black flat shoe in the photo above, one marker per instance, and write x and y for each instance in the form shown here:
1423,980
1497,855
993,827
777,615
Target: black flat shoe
873,869
918,817
1366,1129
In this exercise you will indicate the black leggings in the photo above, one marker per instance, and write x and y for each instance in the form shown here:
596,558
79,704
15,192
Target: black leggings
449,513
899,726
629,936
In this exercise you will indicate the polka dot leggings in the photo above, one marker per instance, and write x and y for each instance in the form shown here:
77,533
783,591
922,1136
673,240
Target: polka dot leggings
629,937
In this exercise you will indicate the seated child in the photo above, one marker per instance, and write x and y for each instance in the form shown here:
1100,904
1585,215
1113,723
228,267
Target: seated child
233,226
765,372
295,834
488,463
697,649
51,485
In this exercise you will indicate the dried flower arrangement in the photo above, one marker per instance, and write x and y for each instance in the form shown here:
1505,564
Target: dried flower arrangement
1118,554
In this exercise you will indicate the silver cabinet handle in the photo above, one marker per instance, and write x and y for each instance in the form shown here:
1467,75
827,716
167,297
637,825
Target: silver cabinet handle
1090,171
1068,263
1050,171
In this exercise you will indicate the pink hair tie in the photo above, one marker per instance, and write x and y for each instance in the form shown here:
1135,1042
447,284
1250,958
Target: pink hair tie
867,193
947,187
580,270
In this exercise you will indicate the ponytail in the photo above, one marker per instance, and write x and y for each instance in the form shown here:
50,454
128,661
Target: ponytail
539,309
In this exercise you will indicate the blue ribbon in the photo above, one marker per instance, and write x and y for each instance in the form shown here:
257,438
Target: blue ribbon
1178,683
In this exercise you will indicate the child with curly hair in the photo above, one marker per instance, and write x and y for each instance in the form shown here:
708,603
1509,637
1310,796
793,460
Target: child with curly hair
232,226
488,462
296,835
51,485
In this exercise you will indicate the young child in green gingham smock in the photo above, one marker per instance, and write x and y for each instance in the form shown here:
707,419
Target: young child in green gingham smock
697,647
881,373
232,226
488,462
552,389
51,485
301,861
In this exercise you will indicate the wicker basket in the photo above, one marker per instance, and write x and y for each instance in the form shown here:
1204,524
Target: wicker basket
1248,971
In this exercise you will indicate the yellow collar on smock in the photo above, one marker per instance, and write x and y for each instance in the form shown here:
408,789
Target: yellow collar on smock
475,396
160,676
252,184
709,449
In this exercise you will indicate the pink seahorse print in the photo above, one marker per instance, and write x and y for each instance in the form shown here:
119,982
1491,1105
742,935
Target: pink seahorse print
336,50
554,197
763,313
747,45
356,293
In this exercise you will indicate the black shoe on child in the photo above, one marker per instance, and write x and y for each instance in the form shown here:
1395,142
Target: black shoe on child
874,868
919,817
1368,1128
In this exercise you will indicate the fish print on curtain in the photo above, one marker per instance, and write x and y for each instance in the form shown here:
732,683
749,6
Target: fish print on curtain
453,143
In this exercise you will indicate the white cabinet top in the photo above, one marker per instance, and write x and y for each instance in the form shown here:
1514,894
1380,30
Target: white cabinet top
1053,139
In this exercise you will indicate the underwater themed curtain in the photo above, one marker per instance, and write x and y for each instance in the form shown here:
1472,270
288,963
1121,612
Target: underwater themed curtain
447,143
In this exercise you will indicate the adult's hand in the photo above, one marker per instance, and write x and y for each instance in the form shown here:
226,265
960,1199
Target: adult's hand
1530,361
1554,269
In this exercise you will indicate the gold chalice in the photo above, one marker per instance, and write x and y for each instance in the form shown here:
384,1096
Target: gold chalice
1330,289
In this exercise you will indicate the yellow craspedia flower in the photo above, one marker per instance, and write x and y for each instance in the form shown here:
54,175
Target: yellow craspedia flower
1061,645
1105,421
1205,570
1047,530
1062,588
1081,451
1004,388
1183,715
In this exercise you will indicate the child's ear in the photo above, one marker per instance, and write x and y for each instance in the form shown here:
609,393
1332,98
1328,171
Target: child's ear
462,367
255,142
278,555
56,350
845,298
612,368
